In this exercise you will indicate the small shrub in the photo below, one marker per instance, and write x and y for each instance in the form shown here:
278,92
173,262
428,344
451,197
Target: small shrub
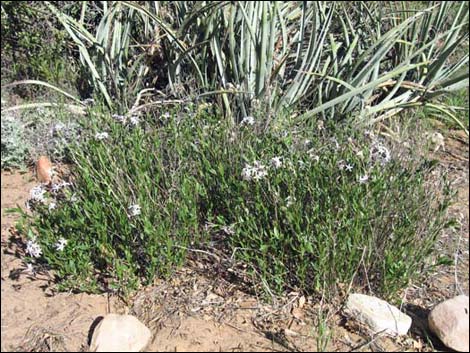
302,209
37,132
15,149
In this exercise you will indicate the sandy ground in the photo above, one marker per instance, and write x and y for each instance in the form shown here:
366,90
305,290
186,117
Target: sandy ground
27,309
197,310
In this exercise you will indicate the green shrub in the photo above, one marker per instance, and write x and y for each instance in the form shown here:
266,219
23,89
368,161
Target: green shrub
302,209
336,206
32,46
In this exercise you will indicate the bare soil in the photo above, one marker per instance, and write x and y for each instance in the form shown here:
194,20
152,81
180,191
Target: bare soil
197,310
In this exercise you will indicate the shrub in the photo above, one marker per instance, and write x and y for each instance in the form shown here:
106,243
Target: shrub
300,207
315,209
37,132
32,46
14,147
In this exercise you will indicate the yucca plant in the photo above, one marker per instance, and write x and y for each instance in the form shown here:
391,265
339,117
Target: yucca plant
112,52
330,58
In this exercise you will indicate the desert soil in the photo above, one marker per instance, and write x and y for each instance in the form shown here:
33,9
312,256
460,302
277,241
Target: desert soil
197,310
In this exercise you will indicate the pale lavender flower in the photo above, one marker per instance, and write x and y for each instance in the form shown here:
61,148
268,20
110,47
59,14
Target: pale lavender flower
247,172
260,170
248,120
363,179
290,201
368,133
60,245
276,162
52,206
120,118
349,167
134,210
134,120
57,187
57,128
101,136
30,269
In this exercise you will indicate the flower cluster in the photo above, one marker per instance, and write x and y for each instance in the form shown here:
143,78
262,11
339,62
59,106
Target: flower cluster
255,172
37,193
57,187
133,120
33,248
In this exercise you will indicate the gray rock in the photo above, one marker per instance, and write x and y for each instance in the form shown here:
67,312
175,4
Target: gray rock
449,321
378,315
120,333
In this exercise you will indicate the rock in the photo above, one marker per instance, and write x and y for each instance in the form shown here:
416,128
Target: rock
378,314
44,170
449,321
120,333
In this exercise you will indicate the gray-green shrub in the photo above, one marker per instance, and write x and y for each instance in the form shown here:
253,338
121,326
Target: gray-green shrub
15,147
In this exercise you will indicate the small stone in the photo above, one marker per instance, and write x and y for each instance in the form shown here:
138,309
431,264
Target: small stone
378,315
449,321
120,333
302,301
44,170
289,332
